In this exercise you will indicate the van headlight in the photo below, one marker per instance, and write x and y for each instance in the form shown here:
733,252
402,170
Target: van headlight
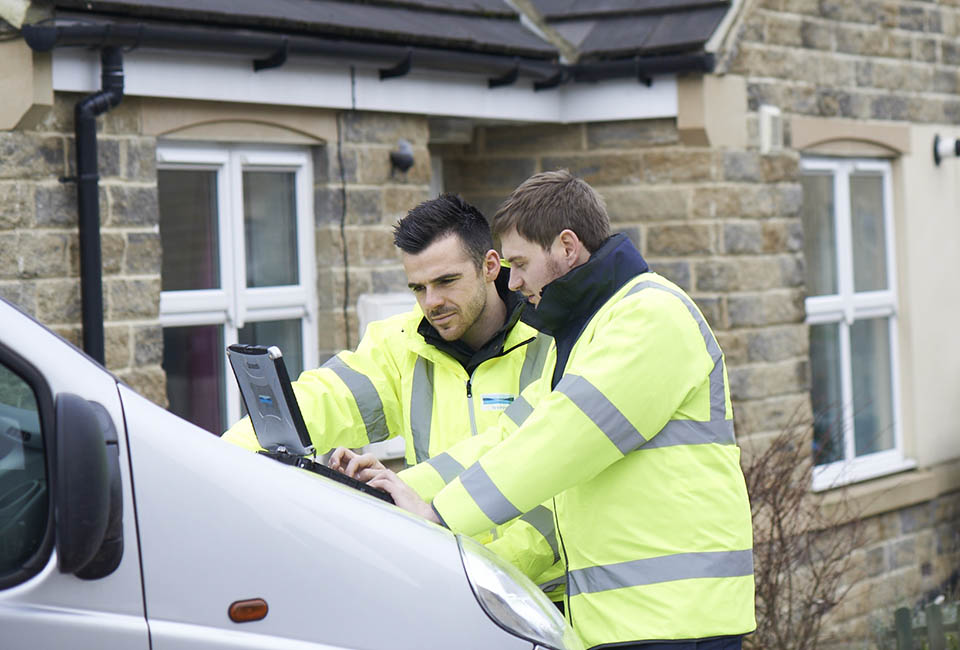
512,601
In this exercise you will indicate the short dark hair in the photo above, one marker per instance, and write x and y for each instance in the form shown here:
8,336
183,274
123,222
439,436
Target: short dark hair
549,202
448,214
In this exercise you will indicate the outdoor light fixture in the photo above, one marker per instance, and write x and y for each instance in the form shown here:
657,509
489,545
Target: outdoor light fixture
943,148
402,157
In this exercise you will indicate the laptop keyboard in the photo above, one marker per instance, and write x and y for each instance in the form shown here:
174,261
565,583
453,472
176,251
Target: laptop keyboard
323,470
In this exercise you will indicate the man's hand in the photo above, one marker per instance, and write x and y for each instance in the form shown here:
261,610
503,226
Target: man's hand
403,495
362,467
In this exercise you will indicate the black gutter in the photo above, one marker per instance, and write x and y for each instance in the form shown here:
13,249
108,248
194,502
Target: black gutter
88,197
271,50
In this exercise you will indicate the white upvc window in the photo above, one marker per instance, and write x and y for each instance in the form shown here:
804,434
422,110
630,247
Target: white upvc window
852,314
236,225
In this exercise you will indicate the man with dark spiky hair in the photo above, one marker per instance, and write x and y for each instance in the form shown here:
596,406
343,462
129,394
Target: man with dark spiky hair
440,373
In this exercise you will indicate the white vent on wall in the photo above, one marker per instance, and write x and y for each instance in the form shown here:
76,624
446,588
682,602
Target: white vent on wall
771,128
377,306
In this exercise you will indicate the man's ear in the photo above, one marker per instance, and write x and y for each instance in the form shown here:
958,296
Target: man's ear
491,265
570,247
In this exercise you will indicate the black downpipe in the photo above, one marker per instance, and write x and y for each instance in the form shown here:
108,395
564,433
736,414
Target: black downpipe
88,197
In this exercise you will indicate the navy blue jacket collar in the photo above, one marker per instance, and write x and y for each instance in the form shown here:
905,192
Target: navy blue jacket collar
583,290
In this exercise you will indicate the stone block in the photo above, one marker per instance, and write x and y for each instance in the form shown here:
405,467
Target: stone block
123,119
639,204
766,308
903,553
73,334
945,80
912,18
680,165
789,200
634,234
327,164
784,30
676,271
20,293
734,346
768,380
533,139
916,517
746,273
385,280
875,561
364,206
147,345
16,204
742,166
143,253
43,255
807,7
132,205
776,343
946,508
773,414
716,202
108,157
327,205
772,236
398,200
56,205
58,301
503,174
837,103
112,248
384,128
116,341
759,93
780,167
377,247
149,381
925,49
140,159
757,201
712,309
127,299
889,107
834,71
601,169
359,282
947,538
328,246
28,155
949,52
680,240
632,134
373,167
10,261
817,35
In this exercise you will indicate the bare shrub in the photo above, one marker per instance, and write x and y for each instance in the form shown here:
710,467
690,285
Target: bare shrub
803,553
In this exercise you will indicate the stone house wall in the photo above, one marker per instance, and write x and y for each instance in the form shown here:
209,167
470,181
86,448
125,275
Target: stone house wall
39,255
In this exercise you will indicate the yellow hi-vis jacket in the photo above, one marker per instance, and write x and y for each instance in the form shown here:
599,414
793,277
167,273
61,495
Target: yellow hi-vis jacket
636,443
398,384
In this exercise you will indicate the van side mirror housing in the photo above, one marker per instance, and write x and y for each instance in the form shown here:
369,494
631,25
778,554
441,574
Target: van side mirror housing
88,504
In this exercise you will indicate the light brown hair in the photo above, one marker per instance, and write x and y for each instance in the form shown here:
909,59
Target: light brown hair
549,202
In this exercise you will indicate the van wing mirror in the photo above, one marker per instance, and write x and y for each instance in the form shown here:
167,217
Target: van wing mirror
88,490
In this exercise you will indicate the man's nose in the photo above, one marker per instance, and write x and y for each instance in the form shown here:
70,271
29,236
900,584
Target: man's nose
514,283
433,298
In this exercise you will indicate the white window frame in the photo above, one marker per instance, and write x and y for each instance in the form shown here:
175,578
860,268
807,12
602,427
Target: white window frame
234,305
847,306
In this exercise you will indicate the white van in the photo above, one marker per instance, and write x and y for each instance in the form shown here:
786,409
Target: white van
123,526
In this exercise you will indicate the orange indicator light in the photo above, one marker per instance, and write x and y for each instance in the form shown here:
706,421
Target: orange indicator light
244,611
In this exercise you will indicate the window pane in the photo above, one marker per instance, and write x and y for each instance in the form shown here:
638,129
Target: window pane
188,229
869,240
193,359
285,334
23,479
270,227
819,233
872,403
825,393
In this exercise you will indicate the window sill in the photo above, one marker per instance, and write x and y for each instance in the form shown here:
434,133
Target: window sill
894,492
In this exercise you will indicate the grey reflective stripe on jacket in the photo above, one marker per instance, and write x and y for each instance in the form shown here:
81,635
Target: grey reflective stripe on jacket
534,359
519,410
446,465
617,427
541,518
421,408
667,568
365,395
487,495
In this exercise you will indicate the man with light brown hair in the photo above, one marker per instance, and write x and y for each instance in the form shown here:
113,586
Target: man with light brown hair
629,432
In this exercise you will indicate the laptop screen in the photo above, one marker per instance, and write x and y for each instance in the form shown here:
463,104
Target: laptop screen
269,398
